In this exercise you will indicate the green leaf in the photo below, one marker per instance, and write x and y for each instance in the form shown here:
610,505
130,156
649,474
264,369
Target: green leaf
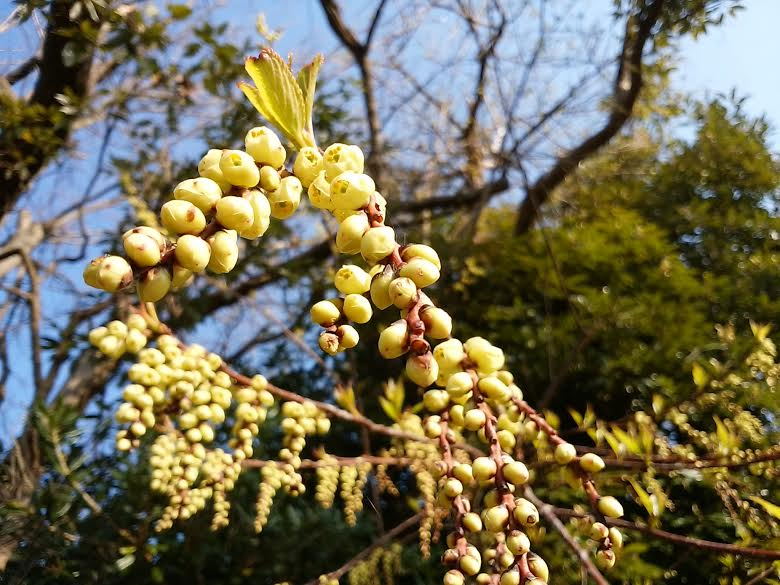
179,11
644,498
614,443
771,509
725,437
390,409
627,440
700,377
759,331
277,96
307,80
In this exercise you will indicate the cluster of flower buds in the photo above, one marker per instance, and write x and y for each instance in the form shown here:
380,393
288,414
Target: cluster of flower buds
394,275
252,404
468,391
353,480
119,337
236,195
300,420
183,392
467,388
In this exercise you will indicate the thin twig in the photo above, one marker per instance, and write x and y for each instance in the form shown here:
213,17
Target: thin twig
548,512
345,415
689,541
378,543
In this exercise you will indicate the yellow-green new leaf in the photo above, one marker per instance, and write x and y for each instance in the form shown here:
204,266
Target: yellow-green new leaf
390,409
645,499
277,95
307,80
700,377
627,440
771,509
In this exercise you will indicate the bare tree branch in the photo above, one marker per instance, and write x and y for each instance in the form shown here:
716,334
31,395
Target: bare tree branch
359,52
549,513
56,77
689,541
627,84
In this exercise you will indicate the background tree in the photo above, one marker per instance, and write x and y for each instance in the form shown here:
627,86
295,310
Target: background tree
628,273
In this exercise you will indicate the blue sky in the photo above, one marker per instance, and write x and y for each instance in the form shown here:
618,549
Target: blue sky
740,55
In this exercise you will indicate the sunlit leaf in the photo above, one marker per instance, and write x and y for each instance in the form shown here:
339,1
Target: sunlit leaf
771,509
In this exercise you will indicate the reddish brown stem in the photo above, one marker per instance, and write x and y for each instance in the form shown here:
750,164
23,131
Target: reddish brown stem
679,539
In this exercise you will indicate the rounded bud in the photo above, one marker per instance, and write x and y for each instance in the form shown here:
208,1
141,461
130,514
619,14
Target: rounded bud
135,341
525,512
192,252
449,354
348,336
269,178
496,518
463,472
109,273
488,358
224,251
394,340
435,400
484,468
403,292
286,199
517,542
421,271
460,384
516,472
154,285
235,213
616,538
453,577
380,288
350,234
470,565
598,531
377,243
264,146
181,277
591,463
494,389
474,420
565,453
208,167
357,308
182,217
351,279
261,215
538,567
141,249
452,488
202,192
325,313
610,507
421,251
511,577
605,559
308,164
351,190
438,323
423,370
472,522
339,158
96,334
239,168
319,193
